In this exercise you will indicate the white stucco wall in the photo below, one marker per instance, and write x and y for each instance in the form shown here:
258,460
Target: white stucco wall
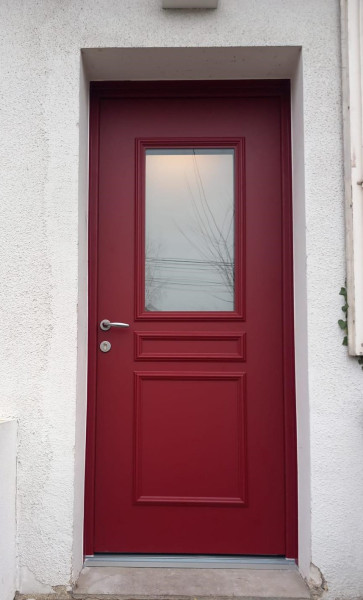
43,253
7,509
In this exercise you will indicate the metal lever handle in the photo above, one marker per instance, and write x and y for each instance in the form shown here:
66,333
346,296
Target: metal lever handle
106,325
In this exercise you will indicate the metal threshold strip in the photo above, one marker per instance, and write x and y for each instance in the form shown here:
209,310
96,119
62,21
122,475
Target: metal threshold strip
189,562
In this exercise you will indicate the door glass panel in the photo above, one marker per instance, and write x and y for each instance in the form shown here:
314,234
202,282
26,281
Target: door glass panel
189,229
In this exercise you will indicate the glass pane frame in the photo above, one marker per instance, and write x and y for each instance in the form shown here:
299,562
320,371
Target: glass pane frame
238,146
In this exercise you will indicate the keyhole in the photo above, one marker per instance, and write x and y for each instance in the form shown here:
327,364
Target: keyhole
105,346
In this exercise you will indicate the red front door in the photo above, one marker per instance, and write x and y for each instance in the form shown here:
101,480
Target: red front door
190,436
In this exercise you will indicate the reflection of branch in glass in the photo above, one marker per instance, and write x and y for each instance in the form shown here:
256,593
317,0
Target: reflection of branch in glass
153,284
214,240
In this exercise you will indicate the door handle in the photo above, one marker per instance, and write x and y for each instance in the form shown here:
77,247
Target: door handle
106,325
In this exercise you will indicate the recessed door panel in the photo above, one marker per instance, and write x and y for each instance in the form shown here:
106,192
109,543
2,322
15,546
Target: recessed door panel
190,346
174,412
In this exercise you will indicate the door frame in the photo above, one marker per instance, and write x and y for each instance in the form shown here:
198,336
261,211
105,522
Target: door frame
169,89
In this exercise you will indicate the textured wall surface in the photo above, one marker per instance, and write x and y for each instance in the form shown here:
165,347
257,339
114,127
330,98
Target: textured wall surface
42,261
7,509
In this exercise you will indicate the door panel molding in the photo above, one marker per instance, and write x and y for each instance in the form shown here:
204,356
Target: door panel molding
234,346
143,450
238,145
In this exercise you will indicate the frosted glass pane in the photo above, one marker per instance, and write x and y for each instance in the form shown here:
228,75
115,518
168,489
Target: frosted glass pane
189,230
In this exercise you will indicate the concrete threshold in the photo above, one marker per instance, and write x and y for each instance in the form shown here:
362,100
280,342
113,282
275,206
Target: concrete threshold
143,583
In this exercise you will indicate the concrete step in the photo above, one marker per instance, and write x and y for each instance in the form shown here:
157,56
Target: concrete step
127,583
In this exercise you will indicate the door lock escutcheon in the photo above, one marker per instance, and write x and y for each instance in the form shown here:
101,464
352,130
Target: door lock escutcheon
105,346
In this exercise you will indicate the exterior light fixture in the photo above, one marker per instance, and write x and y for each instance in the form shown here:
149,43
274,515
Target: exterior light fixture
189,3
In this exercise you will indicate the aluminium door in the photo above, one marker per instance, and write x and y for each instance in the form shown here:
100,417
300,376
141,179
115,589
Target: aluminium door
191,430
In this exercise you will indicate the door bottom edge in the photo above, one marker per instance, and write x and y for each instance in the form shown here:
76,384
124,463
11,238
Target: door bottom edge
189,561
